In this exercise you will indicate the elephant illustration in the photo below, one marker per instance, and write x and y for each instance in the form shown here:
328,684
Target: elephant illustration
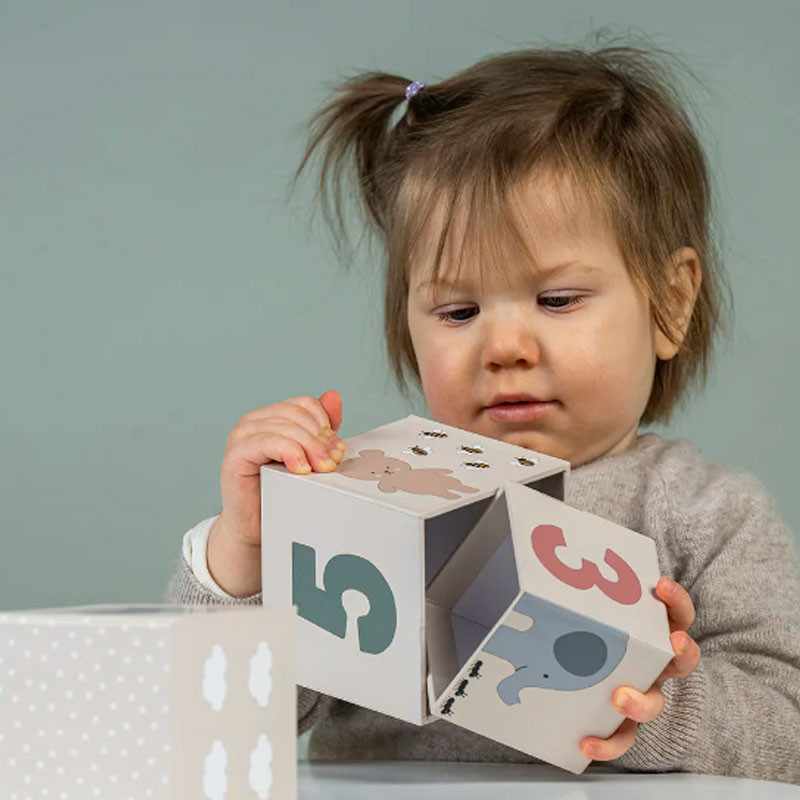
563,650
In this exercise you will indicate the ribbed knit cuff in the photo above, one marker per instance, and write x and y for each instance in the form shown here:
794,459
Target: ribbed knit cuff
671,742
184,588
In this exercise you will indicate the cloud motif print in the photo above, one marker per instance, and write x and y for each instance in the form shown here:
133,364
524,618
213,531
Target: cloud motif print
215,782
261,768
214,684
260,681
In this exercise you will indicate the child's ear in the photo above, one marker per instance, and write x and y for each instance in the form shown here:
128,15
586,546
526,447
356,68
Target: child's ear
684,278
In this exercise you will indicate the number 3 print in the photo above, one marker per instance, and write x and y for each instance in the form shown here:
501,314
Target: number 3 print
625,590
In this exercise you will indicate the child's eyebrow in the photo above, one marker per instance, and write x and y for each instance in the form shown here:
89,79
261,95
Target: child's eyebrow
549,271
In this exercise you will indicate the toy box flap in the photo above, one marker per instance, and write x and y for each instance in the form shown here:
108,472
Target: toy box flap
426,468
587,564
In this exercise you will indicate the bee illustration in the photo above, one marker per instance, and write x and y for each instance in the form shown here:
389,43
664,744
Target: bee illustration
436,434
521,461
448,706
460,692
468,449
417,450
475,669
476,465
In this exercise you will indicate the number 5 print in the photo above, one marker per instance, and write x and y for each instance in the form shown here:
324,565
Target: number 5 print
324,608
625,590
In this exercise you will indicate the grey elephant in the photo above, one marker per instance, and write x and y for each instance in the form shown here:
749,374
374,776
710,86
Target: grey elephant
563,650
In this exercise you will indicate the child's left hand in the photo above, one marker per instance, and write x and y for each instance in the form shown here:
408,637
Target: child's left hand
638,707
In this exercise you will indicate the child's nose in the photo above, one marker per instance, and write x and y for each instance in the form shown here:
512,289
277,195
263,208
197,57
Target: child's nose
510,343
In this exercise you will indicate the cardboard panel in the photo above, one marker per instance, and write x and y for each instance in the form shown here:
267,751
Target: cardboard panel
428,468
354,568
236,705
507,697
116,701
588,564
521,643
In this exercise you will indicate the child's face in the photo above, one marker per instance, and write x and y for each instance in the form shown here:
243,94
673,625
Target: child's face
593,359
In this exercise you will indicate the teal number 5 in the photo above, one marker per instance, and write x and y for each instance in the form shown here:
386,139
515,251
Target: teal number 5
323,607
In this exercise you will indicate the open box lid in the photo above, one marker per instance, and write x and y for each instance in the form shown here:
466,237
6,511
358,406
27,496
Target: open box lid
530,543
427,468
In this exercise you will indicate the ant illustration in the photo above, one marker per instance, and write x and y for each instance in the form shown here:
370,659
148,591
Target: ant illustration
475,669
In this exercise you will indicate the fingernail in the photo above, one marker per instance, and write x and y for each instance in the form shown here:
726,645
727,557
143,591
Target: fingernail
328,463
589,750
623,702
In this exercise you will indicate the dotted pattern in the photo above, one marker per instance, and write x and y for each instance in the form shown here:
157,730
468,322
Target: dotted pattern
84,710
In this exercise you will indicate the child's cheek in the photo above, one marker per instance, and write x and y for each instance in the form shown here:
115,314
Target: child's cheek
446,391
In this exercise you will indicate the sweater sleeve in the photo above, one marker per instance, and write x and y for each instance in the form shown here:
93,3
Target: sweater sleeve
738,713
185,588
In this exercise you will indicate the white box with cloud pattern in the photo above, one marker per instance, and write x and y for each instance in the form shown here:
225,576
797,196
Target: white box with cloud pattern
148,701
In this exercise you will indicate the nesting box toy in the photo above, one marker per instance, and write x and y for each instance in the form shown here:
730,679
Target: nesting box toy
148,701
536,619
355,549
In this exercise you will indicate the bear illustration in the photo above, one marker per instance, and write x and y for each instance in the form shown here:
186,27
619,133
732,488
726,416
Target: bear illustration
394,474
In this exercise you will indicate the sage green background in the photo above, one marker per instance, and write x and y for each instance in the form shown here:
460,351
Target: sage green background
157,285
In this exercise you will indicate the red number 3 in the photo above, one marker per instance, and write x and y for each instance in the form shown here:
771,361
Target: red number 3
626,589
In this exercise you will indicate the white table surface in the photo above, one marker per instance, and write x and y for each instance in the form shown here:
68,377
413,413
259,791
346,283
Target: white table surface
403,780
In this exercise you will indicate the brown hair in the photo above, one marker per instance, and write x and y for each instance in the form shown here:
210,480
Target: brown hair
608,121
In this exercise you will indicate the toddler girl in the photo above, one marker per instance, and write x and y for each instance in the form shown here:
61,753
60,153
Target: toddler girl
551,282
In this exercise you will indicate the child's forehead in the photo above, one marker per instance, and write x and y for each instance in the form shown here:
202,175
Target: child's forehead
543,222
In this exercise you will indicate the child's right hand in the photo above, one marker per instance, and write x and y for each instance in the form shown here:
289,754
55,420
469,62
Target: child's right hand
300,432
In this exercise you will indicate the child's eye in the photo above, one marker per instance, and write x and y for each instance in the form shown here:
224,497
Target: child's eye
558,302
450,316
562,300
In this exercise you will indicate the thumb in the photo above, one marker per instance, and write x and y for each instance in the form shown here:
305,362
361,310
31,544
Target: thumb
332,403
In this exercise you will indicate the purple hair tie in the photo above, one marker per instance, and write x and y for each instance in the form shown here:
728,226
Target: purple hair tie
413,88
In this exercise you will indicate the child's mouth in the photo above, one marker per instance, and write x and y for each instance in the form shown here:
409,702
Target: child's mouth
521,411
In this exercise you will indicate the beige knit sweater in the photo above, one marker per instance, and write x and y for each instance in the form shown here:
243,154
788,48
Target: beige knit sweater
718,533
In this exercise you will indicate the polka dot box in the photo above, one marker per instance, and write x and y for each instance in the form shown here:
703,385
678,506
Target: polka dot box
148,701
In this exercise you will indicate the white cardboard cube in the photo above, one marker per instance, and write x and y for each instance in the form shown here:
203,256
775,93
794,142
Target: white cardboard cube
354,550
536,619
148,701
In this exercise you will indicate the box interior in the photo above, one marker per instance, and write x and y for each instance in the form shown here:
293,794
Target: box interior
474,588
445,532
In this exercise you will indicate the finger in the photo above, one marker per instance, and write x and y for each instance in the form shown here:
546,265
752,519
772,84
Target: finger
687,657
311,405
331,401
320,449
680,608
280,440
637,706
252,424
315,407
618,743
